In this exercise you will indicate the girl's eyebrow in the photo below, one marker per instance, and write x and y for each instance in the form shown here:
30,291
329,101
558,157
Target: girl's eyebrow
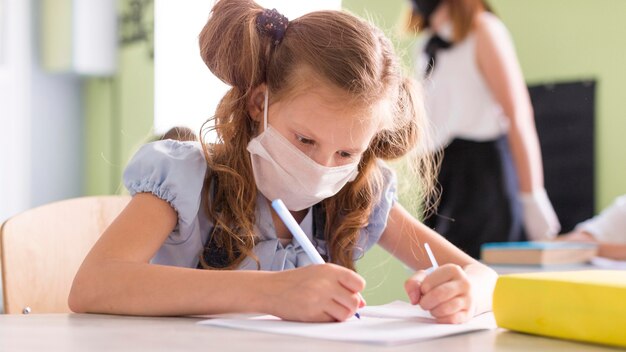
306,131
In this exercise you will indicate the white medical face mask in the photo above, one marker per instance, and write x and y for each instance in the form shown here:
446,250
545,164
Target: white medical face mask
282,171
446,31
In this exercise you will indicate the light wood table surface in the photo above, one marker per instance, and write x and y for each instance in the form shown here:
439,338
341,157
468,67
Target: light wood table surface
92,332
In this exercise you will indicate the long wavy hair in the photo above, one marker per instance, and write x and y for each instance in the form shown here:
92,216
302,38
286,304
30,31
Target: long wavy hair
341,50
462,14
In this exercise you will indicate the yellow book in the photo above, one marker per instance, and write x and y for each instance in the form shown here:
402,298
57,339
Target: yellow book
587,306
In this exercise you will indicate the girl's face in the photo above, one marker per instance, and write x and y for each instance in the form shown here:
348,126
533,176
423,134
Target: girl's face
323,126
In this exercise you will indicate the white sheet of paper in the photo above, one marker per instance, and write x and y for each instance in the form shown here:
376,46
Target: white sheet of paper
394,323
606,263
396,310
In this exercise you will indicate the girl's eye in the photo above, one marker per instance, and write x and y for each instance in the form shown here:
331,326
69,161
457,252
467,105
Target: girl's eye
304,140
345,155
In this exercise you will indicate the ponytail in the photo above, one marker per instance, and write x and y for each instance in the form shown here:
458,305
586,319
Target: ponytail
233,49
394,143
410,137
231,46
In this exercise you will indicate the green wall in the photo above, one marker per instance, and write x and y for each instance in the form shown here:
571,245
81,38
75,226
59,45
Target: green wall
119,114
563,40
557,40
56,34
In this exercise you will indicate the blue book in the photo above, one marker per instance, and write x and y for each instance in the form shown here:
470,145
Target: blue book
537,253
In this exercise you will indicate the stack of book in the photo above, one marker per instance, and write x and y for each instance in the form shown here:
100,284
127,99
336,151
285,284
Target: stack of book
537,253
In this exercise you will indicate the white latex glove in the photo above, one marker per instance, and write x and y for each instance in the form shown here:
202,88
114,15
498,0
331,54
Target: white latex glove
540,220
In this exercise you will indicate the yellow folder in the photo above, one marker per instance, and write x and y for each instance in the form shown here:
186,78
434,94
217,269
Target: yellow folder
586,306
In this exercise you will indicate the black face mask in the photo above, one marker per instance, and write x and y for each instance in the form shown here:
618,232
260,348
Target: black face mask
425,8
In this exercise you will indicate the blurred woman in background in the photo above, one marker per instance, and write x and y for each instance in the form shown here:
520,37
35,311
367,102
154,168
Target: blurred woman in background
491,175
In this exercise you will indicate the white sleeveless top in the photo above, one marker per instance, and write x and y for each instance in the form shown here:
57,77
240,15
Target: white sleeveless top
459,104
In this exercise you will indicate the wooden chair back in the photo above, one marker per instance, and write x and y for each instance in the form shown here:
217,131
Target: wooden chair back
41,250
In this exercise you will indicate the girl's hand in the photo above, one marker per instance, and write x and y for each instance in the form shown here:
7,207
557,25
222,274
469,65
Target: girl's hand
446,293
577,236
315,293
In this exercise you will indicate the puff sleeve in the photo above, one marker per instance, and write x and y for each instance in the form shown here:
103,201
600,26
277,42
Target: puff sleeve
173,171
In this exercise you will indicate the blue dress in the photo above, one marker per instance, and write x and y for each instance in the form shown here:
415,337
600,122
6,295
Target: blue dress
174,171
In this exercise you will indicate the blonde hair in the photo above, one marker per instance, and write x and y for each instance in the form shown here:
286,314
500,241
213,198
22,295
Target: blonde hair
462,14
343,51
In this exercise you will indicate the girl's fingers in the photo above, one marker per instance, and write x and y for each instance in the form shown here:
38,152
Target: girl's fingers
444,292
351,301
450,307
325,317
338,311
444,273
352,281
362,302
412,286
456,318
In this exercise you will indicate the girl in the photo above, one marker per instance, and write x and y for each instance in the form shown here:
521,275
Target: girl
316,104
481,111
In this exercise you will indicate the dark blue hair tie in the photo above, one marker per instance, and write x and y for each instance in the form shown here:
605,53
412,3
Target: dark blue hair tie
272,24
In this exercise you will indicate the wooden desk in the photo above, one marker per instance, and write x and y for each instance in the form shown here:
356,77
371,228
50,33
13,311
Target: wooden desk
87,332
519,269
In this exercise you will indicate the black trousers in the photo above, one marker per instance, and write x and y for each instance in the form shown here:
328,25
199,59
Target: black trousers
479,201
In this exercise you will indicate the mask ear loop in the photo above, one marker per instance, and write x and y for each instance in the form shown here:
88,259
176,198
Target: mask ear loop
265,108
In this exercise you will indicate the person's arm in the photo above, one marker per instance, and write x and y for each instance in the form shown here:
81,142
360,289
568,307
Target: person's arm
498,63
499,66
608,229
459,289
610,225
615,251
117,278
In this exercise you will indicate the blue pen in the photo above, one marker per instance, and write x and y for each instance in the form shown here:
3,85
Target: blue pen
298,234
433,261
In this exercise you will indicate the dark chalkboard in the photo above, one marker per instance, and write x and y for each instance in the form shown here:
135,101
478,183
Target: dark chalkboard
564,114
